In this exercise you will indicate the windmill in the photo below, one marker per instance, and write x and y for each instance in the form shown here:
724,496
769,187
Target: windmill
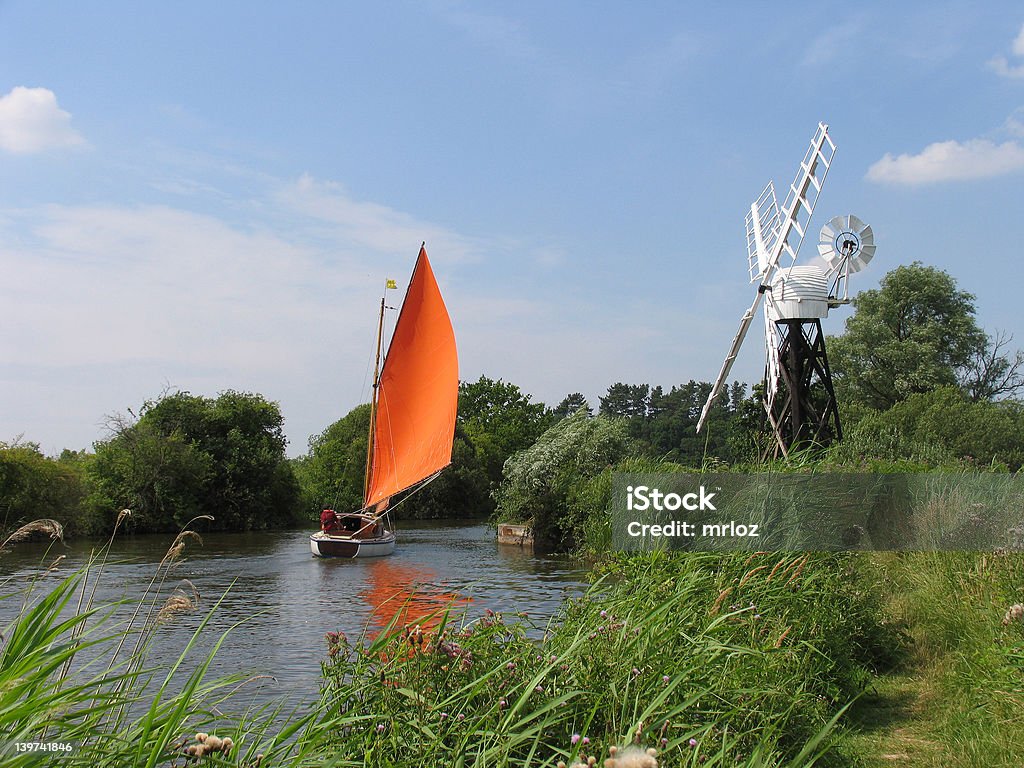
799,399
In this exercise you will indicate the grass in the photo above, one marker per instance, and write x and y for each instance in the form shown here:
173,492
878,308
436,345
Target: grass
957,700
757,661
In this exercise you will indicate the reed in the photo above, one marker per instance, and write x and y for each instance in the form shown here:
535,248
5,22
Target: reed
709,660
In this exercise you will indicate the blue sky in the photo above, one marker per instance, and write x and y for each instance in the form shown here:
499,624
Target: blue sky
205,196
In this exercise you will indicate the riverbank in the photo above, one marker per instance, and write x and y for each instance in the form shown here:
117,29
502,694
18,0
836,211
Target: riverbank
762,660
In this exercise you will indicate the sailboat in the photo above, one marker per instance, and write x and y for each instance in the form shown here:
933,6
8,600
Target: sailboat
412,419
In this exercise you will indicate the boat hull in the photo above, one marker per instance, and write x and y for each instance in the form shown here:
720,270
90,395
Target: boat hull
332,545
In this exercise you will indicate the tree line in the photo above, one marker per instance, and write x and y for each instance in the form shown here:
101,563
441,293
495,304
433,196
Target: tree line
917,379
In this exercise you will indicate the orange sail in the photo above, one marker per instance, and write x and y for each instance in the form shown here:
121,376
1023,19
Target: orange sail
418,391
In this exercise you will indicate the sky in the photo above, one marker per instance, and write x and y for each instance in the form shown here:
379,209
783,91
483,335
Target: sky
209,196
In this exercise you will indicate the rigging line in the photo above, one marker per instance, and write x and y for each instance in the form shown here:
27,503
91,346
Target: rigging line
416,490
391,437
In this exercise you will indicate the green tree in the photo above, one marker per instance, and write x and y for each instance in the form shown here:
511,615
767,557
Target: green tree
499,419
916,333
186,455
540,482
626,400
942,426
34,486
332,474
571,404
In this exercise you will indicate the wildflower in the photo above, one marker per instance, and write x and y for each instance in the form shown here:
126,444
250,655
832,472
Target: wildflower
380,728
575,739
511,665
444,715
665,679
636,672
538,689
604,614
693,742
502,704
631,757
460,717
1015,613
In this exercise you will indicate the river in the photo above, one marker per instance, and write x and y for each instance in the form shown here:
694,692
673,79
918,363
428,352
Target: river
279,601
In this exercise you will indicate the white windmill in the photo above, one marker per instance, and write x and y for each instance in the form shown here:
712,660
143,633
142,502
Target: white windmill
799,400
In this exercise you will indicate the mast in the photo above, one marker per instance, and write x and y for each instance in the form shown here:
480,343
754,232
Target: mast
417,392
373,398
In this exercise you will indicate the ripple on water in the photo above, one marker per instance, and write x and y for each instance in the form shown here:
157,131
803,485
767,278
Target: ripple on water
278,601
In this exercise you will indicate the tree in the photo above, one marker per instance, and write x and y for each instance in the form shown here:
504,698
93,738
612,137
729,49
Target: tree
916,333
33,486
571,404
499,420
992,372
943,424
186,455
539,481
626,400
332,474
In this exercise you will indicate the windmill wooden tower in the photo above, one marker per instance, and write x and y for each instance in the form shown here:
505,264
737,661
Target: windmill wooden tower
799,399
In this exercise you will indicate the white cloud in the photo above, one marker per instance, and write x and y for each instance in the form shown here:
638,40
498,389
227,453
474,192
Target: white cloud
1014,124
833,43
950,161
1002,66
109,304
31,122
371,225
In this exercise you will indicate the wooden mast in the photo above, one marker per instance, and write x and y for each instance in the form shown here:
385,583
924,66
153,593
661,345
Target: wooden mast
373,399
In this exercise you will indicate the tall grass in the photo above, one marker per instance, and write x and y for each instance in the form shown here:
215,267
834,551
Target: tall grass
711,660
967,651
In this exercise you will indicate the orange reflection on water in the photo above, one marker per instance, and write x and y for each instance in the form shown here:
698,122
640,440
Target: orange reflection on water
406,595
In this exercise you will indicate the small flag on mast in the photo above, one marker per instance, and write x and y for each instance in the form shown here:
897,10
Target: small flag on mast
391,284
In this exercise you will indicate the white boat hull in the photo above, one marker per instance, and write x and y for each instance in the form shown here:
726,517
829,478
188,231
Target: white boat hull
338,545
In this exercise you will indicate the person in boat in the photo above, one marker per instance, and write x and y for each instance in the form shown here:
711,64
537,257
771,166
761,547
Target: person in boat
328,520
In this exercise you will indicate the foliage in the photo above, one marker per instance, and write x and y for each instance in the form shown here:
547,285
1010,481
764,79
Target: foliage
571,404
540,481
942,427
499,420
333,472
666,422
187,455
32,485
916,333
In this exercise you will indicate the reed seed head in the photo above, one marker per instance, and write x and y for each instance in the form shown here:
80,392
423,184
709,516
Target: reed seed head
51,528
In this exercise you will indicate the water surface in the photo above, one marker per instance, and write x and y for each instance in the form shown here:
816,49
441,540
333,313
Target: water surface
279,601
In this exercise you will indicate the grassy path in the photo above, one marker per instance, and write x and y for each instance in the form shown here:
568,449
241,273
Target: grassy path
956,699
891,726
